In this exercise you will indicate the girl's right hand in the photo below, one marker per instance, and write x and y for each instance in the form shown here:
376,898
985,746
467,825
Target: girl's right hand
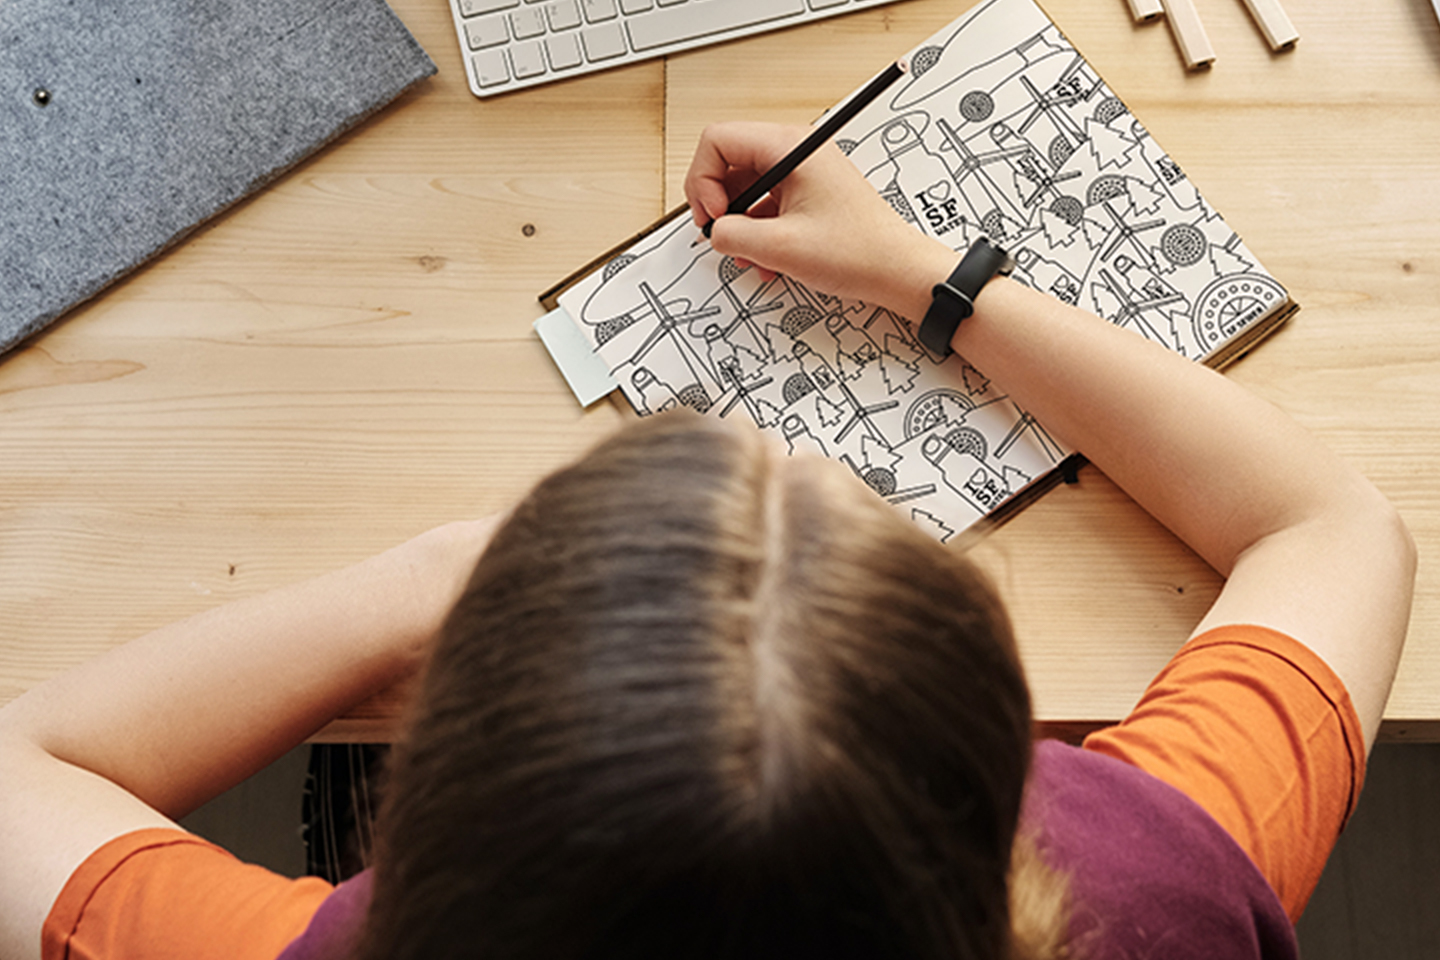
824,224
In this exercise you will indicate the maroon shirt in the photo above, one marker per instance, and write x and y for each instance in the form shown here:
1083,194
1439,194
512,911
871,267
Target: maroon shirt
1151,873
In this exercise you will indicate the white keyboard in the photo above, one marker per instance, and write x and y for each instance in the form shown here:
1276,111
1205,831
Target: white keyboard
511,44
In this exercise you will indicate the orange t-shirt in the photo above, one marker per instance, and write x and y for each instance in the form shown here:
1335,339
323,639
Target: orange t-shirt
1258,730
1247,722
161,894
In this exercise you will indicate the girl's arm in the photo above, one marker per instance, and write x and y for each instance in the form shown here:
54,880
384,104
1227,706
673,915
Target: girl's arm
153,729
1307,544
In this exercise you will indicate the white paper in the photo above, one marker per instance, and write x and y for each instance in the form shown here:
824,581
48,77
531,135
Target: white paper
1001,130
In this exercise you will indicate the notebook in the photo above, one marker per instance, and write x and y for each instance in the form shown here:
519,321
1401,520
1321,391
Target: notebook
125,126
1001,130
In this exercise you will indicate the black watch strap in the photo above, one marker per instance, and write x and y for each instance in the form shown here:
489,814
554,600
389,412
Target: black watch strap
954,299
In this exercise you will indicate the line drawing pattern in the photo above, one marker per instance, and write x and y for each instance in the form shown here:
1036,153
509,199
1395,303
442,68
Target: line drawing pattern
1001,129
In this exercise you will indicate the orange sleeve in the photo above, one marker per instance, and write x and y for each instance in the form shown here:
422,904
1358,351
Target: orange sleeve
1257,729
163,894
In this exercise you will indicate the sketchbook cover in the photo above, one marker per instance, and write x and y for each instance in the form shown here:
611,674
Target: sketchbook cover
123,126
1001,129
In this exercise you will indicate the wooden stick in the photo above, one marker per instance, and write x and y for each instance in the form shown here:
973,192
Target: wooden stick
1143,10
1189,33
1278,30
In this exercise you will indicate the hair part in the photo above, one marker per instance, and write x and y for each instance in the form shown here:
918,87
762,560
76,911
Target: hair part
703,700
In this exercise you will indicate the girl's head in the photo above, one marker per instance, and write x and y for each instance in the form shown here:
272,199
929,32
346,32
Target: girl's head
704,700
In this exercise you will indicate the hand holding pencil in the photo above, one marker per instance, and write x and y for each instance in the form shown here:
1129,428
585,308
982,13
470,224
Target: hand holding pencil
821,135
823,225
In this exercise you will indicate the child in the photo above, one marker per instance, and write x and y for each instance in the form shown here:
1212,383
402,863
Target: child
698,699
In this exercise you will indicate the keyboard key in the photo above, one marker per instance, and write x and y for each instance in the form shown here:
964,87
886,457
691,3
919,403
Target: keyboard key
635,6
564,15
597,11
490,68
474,8
702,17
564,51
527,59
825,4
486,32
668,3
604,42
527,23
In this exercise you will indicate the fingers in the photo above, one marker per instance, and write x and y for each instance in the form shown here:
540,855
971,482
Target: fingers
729,156
755,240
766,208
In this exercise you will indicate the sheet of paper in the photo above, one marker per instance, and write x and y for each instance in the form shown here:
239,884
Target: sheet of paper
1001,130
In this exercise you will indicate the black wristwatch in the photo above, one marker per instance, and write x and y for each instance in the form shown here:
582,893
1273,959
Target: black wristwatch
954,299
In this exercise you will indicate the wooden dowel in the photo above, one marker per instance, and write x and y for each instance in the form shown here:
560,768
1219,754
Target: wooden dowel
1189,33
1274,23
1143,10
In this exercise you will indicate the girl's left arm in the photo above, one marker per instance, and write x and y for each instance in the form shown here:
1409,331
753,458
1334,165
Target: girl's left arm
149,731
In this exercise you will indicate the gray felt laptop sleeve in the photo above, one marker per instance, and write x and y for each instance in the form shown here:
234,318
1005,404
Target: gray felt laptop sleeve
125,125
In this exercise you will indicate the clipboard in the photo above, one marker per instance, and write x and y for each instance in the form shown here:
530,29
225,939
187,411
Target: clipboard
1002,130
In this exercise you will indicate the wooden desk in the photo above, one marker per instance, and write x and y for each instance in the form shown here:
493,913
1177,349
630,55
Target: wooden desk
347,358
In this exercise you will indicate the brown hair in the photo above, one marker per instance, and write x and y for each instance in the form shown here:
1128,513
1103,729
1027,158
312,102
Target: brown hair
702,700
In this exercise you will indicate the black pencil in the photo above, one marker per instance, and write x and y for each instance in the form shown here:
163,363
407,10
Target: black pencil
768,181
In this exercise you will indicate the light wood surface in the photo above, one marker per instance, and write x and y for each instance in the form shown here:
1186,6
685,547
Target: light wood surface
347,359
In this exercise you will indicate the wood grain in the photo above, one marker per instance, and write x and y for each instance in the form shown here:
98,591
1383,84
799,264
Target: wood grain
347,358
